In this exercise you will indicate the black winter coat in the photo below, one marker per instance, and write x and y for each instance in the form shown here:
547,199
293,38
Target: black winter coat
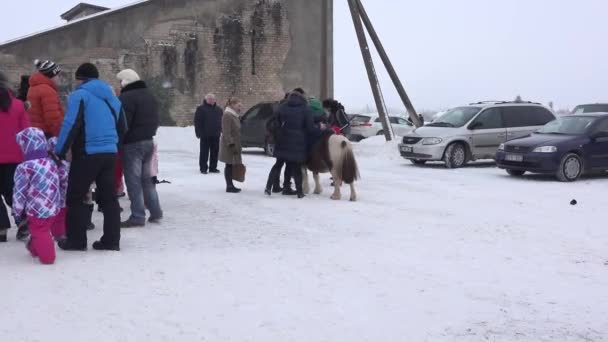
296,123
142,112
208,121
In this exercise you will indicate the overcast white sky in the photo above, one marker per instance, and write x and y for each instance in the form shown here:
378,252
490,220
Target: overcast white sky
447,52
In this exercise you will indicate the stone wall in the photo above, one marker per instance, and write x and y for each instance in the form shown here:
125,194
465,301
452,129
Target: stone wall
251,49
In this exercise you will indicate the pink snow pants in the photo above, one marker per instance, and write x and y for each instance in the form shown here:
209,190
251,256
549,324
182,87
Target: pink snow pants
58,227
41,244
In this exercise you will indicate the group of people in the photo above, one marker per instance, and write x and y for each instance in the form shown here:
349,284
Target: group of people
298,123
50,159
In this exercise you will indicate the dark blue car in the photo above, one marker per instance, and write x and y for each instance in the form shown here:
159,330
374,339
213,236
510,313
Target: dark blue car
568,147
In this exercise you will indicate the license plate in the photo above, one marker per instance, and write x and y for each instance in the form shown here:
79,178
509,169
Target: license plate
407,149
514,158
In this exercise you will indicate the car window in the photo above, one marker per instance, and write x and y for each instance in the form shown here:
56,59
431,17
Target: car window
591,108
360,119
402,121
569,125
489,119
252,114
266,112
394,120
524,116
377,120
456,117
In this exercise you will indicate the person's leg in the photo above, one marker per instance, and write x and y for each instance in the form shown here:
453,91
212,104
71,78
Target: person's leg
82,174
58,226
120,186
229,183
296,171
287,179
132,159
274,176
107,196
41,243
214,153
205,147
149,189
202,163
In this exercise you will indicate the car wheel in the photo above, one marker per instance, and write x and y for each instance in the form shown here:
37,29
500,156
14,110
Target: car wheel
515,173
269,149
418,162
455,156
380,133
570,169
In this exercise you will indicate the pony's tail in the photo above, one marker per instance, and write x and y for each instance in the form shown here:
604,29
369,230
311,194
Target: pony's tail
349,168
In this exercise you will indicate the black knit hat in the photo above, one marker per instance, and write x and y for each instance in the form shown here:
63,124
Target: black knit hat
48,68
87,71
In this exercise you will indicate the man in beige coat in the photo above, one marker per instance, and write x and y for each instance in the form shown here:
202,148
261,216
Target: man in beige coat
230,143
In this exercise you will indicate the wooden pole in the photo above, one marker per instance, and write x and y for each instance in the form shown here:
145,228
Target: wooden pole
371,71
389,66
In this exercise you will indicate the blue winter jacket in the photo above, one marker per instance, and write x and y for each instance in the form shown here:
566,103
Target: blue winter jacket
94,121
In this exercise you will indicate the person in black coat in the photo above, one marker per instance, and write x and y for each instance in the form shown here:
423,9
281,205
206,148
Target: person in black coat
208,128
143,119
295,124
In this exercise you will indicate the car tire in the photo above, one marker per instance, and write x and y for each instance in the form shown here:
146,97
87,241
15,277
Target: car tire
455,156
418,162
570,168
269,149
380,133
515,173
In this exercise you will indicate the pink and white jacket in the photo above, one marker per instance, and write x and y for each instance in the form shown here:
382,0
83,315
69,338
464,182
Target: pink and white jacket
38,179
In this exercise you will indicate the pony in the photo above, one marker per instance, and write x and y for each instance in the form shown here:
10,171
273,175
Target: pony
332,153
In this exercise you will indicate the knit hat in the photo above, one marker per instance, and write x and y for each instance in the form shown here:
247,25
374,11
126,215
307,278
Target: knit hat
47,68
127,77
87,71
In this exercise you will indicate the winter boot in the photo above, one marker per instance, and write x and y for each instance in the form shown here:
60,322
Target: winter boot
289,192
100,246
3,235
66,245
23,232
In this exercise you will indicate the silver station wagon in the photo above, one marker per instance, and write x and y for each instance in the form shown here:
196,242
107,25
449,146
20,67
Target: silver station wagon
473,132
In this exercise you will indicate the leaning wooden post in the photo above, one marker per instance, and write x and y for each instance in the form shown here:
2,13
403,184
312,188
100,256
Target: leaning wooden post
389,66
371,71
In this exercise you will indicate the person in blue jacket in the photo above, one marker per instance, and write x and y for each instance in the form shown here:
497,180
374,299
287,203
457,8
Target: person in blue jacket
92,129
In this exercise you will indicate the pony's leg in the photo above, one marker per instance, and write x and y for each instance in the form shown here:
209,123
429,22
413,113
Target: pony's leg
305,183
353,192
318,188
337,183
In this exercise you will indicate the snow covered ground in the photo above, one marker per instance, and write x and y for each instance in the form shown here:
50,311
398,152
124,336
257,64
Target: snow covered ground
427,254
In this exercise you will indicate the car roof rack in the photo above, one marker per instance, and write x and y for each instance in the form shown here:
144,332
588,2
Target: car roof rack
504,102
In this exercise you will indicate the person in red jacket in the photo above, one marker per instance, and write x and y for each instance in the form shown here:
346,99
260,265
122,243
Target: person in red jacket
13,119
45,109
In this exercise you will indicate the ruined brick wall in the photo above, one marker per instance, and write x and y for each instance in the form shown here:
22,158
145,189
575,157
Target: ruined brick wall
185,49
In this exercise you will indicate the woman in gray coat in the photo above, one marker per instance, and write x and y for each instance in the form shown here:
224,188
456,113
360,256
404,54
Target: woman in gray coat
230,143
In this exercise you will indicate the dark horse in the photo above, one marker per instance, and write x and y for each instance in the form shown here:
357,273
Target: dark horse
332,153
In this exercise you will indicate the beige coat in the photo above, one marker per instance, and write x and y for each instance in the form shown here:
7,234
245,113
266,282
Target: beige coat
231,135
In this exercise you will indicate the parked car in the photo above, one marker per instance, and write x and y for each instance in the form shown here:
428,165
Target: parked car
473,132
365,126
567,147
253,126
591,108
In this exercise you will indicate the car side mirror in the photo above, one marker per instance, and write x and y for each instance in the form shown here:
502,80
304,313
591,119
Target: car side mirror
475,125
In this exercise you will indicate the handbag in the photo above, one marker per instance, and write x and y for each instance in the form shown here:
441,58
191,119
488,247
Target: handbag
238,172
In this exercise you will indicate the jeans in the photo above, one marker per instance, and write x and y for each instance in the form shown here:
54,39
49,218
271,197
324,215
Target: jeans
210,148
136,163
98,168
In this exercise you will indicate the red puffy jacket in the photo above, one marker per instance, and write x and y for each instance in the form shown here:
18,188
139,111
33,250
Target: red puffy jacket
46,111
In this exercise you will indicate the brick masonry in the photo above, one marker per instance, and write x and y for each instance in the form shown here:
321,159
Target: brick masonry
245,49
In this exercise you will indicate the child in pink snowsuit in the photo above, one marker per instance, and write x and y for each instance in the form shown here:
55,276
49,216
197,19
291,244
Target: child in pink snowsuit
58,228
37,192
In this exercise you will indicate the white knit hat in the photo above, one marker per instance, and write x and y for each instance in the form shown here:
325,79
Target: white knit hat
127,77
